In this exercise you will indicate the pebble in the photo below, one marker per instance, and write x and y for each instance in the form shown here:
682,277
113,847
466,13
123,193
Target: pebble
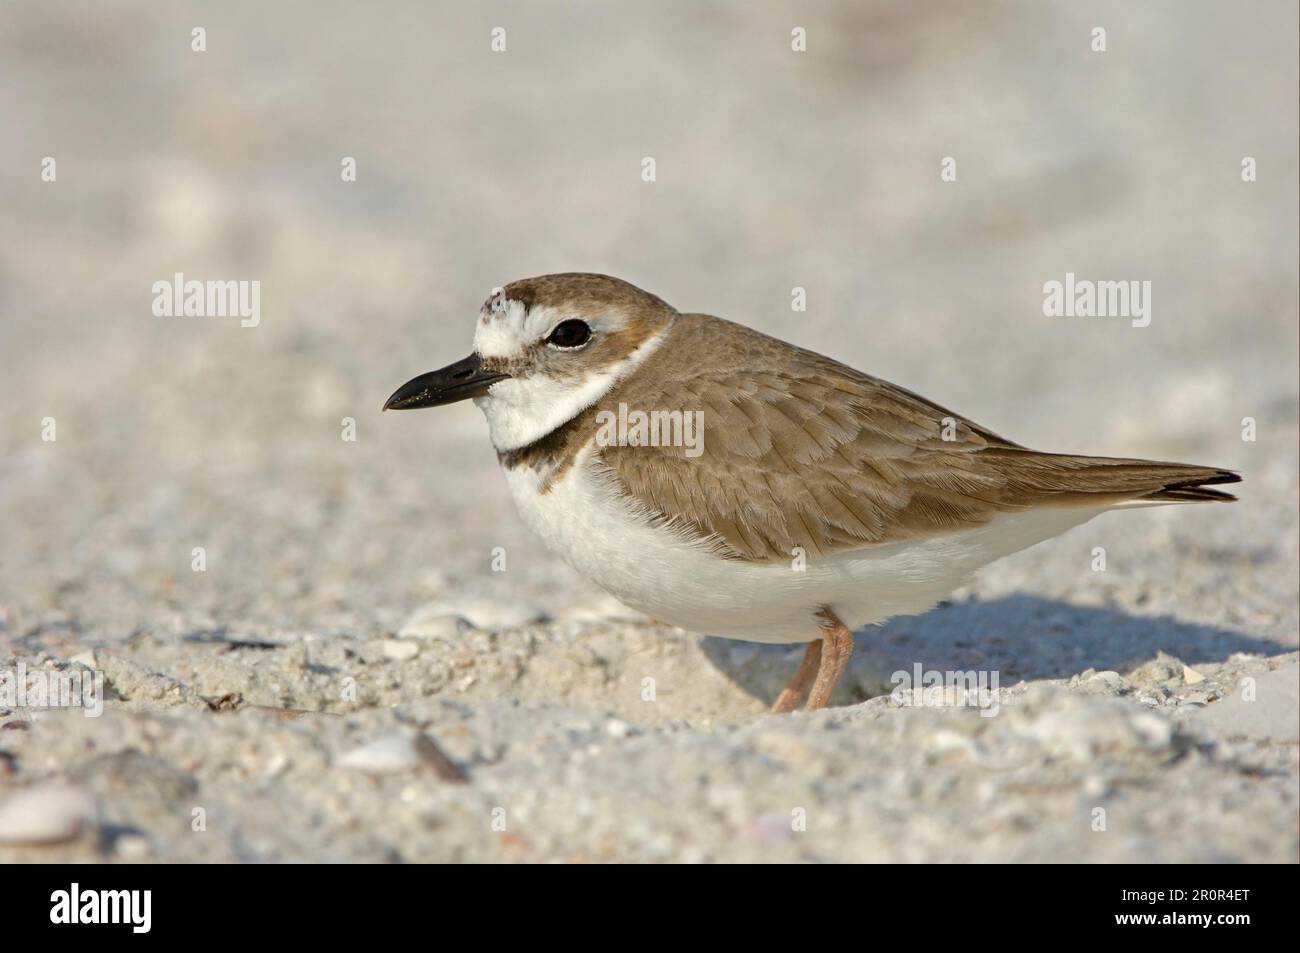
1105,681
132,847
46,814
399,650
86,658
943,741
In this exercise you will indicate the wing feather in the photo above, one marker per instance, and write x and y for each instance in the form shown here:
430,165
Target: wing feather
801,451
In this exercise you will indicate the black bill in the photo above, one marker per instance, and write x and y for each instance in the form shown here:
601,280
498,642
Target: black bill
458,381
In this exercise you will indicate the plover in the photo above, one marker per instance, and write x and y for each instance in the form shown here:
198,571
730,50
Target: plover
814,500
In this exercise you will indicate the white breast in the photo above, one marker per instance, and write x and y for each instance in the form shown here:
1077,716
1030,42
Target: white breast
606,536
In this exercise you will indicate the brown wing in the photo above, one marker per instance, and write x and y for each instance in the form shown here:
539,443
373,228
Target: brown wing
799,450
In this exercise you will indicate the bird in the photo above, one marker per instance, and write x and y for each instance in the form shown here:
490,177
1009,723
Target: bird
729,483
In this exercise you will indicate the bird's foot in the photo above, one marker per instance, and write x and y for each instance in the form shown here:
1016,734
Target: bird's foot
822,665
837,646
803,676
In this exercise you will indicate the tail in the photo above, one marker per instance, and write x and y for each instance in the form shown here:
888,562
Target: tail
1196,489
1074,480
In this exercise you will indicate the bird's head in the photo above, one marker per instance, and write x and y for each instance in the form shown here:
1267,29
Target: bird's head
545,349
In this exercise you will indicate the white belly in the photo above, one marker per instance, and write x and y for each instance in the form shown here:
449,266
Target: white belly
657,571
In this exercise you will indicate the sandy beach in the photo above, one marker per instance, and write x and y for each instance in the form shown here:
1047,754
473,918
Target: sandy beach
325,635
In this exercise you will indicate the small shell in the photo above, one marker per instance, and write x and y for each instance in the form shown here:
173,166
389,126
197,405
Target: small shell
403,752
482,613
447,628
386,755
47,814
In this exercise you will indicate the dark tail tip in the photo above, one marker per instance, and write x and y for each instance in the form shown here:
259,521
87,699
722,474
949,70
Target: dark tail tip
1197,490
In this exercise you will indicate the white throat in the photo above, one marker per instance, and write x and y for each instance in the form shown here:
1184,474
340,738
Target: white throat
520,411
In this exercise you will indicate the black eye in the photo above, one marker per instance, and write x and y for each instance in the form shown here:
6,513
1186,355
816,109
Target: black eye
570,334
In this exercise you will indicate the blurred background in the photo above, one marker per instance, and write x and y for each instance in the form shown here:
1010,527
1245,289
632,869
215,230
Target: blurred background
775,169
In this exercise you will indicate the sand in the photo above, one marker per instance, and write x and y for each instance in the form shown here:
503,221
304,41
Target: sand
352,674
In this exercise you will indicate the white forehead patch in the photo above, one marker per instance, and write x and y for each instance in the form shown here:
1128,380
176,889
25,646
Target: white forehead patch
505,328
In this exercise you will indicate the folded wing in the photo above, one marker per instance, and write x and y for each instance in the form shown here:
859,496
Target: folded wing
801,451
